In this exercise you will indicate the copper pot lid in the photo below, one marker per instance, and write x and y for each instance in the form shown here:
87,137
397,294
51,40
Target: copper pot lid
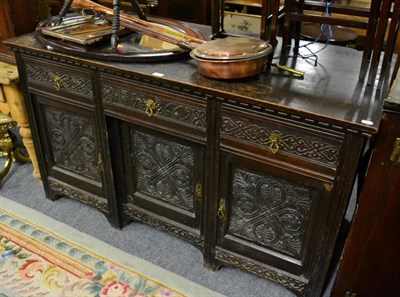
232,48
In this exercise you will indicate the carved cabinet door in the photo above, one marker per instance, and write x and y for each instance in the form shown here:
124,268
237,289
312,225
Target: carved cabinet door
164,178
269,217
69,141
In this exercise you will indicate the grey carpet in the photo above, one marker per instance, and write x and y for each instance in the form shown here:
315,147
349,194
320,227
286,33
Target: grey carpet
140,240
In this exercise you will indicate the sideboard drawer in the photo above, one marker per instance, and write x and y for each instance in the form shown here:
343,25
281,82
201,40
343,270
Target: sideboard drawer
281,140
73,83
155,104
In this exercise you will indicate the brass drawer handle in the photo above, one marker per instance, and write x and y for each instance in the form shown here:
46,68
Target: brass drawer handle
275,140
221,209
150,107
57,82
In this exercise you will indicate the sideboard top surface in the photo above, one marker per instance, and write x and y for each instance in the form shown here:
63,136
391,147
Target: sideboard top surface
329,93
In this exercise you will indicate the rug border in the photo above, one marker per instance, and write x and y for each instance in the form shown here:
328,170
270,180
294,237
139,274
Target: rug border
99,248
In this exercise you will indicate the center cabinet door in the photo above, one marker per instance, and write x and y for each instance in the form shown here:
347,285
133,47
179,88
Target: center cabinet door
164,178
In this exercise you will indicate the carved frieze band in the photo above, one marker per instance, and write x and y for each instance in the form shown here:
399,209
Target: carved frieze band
262,271
270,211
178,112
75,83
164,169
294,144
78,195
162,225
73,142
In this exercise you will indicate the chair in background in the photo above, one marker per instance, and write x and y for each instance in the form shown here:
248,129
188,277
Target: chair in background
298,11
380,20
382,34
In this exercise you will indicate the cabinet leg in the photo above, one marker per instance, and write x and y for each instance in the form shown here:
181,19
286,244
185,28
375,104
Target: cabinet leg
115,223
211,265
125,220
51,195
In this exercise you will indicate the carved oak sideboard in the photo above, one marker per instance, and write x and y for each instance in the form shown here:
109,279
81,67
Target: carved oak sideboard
256,173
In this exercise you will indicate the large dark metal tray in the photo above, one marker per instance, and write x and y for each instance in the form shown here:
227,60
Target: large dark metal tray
129,49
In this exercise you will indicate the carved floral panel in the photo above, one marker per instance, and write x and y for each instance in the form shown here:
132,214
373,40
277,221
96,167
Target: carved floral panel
73,142
164,169
269,211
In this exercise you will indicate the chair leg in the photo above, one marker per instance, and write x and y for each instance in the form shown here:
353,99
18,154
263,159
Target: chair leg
286,34
273,31
371,30
297,28
392,37
264,17
379,38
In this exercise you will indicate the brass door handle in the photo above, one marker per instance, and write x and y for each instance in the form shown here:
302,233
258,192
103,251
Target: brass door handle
57,82
395,156
221,209
100,163
275,140
198,192
150,107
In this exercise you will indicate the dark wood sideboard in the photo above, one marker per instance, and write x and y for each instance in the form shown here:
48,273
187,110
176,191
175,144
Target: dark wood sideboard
256,172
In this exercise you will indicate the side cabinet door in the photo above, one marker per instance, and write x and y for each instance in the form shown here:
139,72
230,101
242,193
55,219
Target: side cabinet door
164,177
269,217
72,153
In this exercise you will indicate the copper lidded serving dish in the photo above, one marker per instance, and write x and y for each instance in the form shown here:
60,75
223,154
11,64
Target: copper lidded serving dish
231,57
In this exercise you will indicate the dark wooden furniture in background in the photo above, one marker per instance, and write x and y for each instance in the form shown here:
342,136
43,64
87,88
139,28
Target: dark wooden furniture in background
196,11
55,6
125,5
256,173
19,17
193,11
370,262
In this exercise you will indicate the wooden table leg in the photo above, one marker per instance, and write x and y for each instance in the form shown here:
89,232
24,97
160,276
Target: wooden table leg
18,113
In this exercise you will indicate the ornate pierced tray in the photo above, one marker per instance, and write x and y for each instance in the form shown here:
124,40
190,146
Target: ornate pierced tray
132,46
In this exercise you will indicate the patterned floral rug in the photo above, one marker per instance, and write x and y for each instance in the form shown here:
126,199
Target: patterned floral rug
35,261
